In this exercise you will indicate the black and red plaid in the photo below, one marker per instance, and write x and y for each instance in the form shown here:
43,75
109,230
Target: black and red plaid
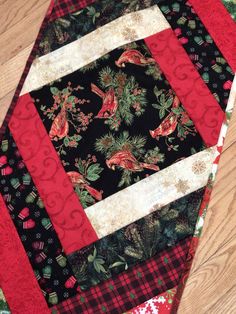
133,287
63,7
31,58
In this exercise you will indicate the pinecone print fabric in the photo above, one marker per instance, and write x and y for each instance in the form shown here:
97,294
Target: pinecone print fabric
137,242
70,27
35,229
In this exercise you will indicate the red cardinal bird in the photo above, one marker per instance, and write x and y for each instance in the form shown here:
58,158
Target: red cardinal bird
133,56
126,160
110,102
77,179
60,126
169,124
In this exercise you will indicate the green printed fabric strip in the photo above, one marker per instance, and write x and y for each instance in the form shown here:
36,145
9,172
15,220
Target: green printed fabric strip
136,242
73,26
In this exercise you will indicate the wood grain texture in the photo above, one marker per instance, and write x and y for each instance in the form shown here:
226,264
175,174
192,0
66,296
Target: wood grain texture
211,287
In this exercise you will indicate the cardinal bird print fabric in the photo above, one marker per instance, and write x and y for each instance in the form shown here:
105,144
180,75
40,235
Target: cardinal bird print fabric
125,120
108,154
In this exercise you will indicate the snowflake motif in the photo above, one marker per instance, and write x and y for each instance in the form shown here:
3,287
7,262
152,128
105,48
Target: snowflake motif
182,186
129,34
198,167
136,17
166,184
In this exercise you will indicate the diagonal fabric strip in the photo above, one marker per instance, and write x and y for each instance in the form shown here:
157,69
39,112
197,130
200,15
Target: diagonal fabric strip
39,239
201,48
195,96
136,285
204,205
18,282
62,204
155,191
137,242
92,46
75,25
6,118
63,7
220,25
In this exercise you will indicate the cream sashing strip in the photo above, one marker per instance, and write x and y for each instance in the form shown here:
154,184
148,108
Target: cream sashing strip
151,193
65,60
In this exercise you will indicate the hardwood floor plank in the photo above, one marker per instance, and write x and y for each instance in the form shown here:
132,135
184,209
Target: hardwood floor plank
13,12
18,37
213,275
11,71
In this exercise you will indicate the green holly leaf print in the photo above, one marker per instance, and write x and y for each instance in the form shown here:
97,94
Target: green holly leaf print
93,172
84,197
66,141
80,166
177,111
54,90
157,91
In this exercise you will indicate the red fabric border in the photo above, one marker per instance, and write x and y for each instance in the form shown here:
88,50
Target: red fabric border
64,7
192,91
132,287
220,26
17,278
26,70
61,202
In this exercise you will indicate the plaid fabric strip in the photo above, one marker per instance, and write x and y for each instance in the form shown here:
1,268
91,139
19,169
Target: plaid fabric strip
135,286
63,7
30,60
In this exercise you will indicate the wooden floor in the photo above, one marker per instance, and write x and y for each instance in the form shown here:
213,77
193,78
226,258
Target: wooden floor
211,287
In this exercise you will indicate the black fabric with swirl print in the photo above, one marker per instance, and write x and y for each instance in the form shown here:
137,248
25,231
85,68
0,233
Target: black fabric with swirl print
115,121
200,47
45,253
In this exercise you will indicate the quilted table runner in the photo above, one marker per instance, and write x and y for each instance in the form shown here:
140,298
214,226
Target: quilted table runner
108,154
